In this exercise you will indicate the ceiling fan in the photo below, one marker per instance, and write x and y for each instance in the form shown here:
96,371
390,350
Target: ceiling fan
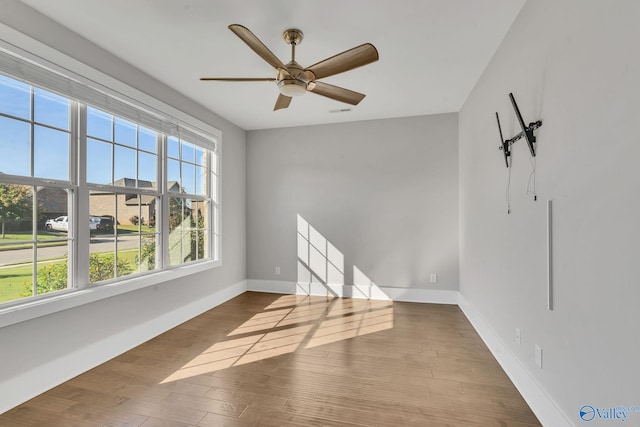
294,80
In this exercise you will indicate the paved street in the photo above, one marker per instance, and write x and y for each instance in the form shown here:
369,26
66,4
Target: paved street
98,244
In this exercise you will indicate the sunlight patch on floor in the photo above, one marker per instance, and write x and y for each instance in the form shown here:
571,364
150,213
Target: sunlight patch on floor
289,323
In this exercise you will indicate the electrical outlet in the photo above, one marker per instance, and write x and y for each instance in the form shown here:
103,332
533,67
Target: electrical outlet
277,270
538,351
433,278
518,336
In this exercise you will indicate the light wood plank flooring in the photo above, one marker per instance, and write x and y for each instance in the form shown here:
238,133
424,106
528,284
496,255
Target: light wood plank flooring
285,360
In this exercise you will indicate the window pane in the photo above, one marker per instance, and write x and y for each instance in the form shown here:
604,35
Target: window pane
53,203
188,220
202,215
127,257
128,208
16,209
175,230
52,267
202,242
147,258
200,181
124,166
173,147
175,248
16,261
102,205
15,137
175,214
99,124
201,156
173,176
101,259
147,164
98,162
188,178
103,243
15,98
51,109
124,132
188,152
51,153
147,140
16,279
189,246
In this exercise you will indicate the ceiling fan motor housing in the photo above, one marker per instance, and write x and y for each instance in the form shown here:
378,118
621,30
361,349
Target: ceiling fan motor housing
293,81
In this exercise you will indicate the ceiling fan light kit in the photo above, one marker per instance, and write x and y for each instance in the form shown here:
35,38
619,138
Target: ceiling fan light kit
293,79
292,87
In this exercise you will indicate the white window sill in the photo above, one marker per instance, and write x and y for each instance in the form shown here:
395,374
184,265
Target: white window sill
74,298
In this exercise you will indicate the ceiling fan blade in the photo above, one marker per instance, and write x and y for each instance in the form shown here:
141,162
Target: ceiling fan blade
239,79
282,102
256,45
335,92
345,61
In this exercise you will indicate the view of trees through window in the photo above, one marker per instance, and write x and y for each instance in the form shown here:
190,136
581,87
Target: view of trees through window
128,193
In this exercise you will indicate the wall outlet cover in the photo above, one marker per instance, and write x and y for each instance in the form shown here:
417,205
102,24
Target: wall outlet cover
538,355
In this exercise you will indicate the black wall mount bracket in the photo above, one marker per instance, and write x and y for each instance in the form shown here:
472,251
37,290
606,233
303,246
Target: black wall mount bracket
526,133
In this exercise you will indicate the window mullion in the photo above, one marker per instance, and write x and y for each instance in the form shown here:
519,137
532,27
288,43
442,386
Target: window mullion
82,242
32,144
163,240
34,236
212,250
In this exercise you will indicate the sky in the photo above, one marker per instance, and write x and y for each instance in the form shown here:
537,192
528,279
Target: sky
116,148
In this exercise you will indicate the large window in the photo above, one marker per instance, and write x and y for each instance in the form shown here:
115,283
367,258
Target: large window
140,195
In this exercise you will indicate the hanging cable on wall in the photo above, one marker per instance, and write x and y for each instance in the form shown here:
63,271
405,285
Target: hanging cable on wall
508,192
531,189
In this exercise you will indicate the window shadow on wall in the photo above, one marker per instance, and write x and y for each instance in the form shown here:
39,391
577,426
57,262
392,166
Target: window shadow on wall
321,265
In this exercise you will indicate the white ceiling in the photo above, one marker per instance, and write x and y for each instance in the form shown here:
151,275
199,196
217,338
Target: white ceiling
432,52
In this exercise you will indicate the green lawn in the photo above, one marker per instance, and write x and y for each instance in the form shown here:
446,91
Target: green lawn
15,280
130,228
42,235
13,241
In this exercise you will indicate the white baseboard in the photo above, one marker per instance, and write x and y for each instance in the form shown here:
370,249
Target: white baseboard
435,296
32,383
548,413
272,286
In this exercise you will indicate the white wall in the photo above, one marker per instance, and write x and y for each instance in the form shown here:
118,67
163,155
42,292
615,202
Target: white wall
383,193
37,354
574,65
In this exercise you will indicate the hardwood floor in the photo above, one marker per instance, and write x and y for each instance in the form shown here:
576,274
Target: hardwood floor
285,360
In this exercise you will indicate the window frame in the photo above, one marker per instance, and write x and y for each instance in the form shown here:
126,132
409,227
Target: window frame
44,61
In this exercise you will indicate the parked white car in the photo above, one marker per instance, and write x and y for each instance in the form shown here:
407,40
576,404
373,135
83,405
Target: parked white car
62,224
59,224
